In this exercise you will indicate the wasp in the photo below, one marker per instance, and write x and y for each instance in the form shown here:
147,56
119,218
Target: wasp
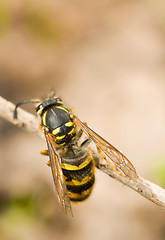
73,162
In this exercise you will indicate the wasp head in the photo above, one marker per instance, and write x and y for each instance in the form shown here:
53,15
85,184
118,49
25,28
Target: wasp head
40,109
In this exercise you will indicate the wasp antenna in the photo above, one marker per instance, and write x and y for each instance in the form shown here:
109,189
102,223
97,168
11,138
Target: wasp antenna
52,93
23,102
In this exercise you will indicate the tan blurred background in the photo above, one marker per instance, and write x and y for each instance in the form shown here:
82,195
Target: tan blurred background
106,59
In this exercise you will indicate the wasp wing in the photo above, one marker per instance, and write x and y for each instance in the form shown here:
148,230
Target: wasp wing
58,177
118,161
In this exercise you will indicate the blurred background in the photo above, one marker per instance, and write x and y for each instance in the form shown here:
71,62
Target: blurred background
106,59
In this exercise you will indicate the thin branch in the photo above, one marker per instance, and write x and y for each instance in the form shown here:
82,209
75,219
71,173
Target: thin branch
30,123
25,120
144,187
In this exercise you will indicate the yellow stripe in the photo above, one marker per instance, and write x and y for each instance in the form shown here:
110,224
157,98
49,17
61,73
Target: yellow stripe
69,124
60,137
59,107
39,111
61,144
56,131
60,101
74,167
44,118
80,195
78,183
69,133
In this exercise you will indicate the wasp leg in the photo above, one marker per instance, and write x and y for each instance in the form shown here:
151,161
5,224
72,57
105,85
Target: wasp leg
40,127
102,156
45,153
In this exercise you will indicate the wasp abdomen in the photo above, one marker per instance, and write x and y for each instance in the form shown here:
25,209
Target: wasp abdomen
79,176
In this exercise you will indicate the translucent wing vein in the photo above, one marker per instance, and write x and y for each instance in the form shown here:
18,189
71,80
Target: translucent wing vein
58,178
118,160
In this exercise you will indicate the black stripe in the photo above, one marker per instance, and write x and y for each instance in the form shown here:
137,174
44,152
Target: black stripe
81,198
64,131
81,188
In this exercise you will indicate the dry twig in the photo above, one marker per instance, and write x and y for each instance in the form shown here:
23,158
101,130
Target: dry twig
29,122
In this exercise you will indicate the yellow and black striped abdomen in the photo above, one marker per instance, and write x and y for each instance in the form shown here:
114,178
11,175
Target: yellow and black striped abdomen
79,175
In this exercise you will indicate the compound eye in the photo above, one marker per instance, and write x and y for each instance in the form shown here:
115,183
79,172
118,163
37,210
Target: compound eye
39,109
59,101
